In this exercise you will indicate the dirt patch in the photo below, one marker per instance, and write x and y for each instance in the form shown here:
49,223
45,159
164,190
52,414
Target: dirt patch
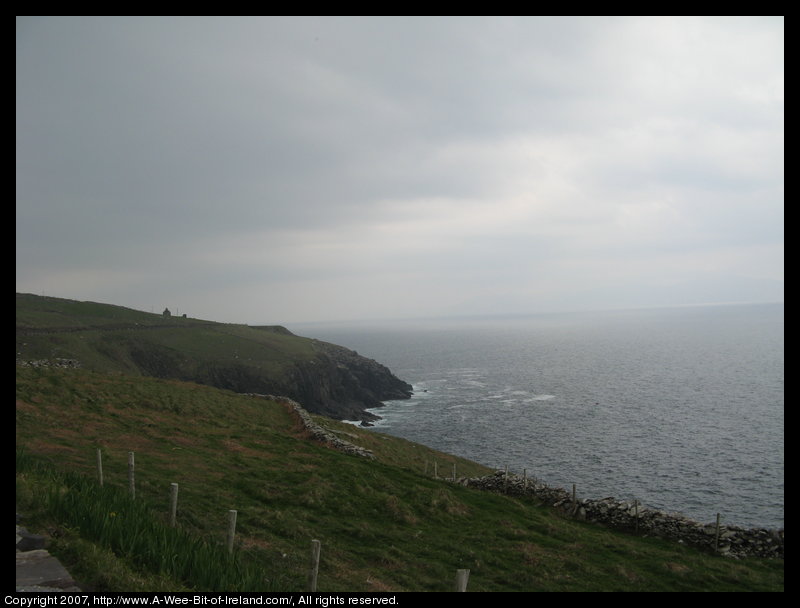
378,585
254,543
679,568
48,448
531,554
133,443
234,446
627,574
26,407
184,441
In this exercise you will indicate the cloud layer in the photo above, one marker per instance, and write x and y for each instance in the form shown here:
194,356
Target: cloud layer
305,169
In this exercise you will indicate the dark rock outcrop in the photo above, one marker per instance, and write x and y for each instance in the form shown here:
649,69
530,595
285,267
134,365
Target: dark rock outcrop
336,382
341,384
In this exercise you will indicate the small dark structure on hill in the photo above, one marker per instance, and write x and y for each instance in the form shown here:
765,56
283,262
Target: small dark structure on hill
166,312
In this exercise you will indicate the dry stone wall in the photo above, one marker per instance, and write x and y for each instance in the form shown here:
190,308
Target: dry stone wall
317,432
630,516
620,514
63,363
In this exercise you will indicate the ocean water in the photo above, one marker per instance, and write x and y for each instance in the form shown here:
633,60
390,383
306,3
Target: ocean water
682,408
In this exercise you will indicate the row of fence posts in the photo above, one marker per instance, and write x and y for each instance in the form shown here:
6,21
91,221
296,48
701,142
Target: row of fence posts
574,497
462,576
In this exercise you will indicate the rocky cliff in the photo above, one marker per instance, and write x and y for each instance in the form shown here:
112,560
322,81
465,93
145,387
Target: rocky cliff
335,382
340,383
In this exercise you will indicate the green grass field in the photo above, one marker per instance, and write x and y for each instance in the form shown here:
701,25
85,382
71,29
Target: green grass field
384,525
111,338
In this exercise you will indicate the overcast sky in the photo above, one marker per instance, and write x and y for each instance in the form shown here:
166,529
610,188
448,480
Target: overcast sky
278,170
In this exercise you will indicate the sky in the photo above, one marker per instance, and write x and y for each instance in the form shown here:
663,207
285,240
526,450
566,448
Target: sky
310,169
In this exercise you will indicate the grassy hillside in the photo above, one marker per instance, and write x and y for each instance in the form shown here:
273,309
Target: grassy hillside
384,525
105,337
326,378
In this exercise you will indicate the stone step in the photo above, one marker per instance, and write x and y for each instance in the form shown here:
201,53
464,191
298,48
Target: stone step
37,570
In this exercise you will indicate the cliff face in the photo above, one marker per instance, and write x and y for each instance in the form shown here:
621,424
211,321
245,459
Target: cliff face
341,384
336,382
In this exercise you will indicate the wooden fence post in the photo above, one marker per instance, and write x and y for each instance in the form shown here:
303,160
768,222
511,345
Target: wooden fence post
173,504
131,482
100,466
231,529
454,471
505,481
462,577
716,535
313,569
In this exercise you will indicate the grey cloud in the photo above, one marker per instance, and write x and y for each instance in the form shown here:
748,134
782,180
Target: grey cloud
271,140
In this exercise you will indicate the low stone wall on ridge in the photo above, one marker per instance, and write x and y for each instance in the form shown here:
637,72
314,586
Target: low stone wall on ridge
728,540
317,432
630,516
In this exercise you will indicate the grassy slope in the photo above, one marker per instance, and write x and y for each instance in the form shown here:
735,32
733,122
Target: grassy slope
105,337
384,525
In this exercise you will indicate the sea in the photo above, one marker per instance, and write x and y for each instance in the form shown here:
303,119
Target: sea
679,408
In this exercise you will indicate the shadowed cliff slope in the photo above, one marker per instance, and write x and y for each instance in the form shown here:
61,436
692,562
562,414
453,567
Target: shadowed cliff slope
326,378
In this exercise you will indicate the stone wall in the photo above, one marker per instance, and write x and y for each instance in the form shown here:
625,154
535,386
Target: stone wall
618,514
633,517
63,363
317,432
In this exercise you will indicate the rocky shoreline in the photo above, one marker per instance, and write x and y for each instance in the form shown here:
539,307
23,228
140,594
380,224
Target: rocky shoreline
727,540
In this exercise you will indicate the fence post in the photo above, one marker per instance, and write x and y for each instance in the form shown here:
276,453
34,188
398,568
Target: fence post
636,514
313,570
505,481
131,482
435,470
173,504
525,480
716,535
100,466
462,577
454,471
231,529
